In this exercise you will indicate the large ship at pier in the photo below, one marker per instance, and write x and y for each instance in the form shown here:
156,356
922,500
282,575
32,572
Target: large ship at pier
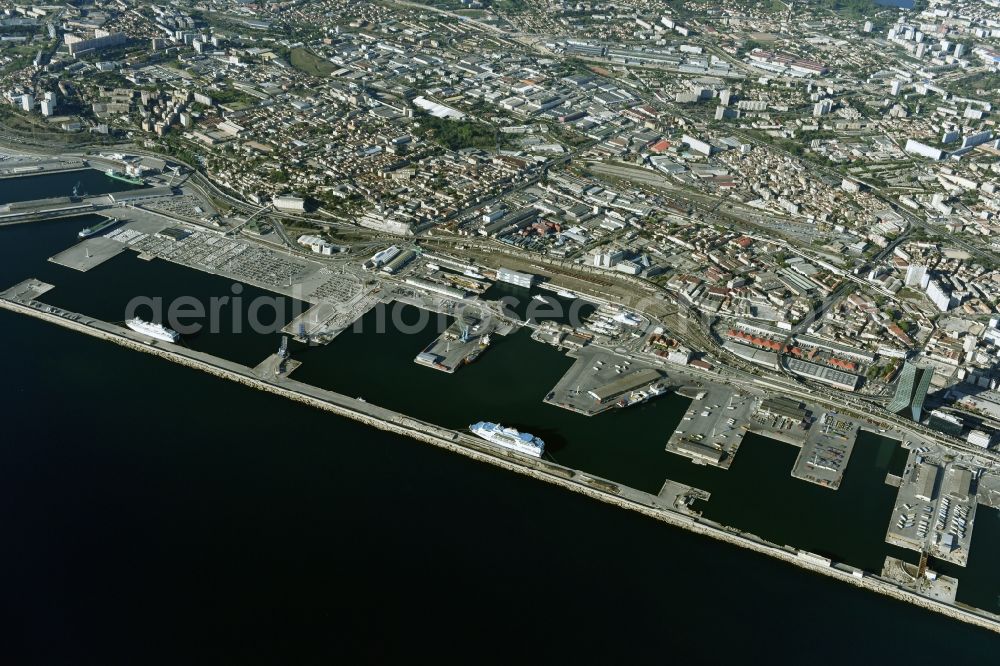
158,331
522,442
642,395
97,228
117,175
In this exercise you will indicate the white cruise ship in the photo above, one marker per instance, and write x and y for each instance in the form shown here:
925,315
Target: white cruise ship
157,331
522,442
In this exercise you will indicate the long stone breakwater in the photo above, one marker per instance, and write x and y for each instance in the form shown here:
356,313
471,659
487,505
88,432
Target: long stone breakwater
451,440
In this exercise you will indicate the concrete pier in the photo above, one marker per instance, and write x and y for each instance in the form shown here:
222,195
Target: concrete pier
275,368
598,380
681,497
827,450
462,342
712,428
21,299
327,319
942,588
88,253
935,508
19,167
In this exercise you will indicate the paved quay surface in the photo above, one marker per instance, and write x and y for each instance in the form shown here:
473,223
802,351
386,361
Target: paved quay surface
595,368
827,450
462,342
935,509
942,588
712,428
88,253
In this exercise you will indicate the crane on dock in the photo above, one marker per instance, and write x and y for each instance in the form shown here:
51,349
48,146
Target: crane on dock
922,567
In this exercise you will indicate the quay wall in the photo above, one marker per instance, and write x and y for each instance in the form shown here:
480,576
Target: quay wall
41,171
52,214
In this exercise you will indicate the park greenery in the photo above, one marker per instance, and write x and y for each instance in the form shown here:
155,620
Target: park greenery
457,134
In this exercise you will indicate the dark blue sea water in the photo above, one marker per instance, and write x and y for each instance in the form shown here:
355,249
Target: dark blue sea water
153,514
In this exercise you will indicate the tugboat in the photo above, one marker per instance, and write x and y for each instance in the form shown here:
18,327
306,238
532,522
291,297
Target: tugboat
483,344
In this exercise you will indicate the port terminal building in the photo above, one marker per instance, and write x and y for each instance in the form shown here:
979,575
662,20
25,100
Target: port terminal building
623,385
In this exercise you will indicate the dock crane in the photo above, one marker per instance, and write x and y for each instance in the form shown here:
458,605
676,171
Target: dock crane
922,567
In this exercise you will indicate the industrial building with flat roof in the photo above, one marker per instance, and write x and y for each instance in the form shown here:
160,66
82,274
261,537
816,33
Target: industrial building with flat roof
838,378
700,451
629,382
958,483
926,480
784,406
513,277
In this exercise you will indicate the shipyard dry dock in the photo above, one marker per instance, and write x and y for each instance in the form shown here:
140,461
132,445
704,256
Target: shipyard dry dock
670,506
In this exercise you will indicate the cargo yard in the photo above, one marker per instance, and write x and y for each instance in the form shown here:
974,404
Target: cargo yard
713,426
935,508
827,450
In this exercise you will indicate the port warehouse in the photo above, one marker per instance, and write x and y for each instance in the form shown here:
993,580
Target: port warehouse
448,262
441,289
700,451
174,233
395,264
59,206
38,204
784,406
623,385
957,483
